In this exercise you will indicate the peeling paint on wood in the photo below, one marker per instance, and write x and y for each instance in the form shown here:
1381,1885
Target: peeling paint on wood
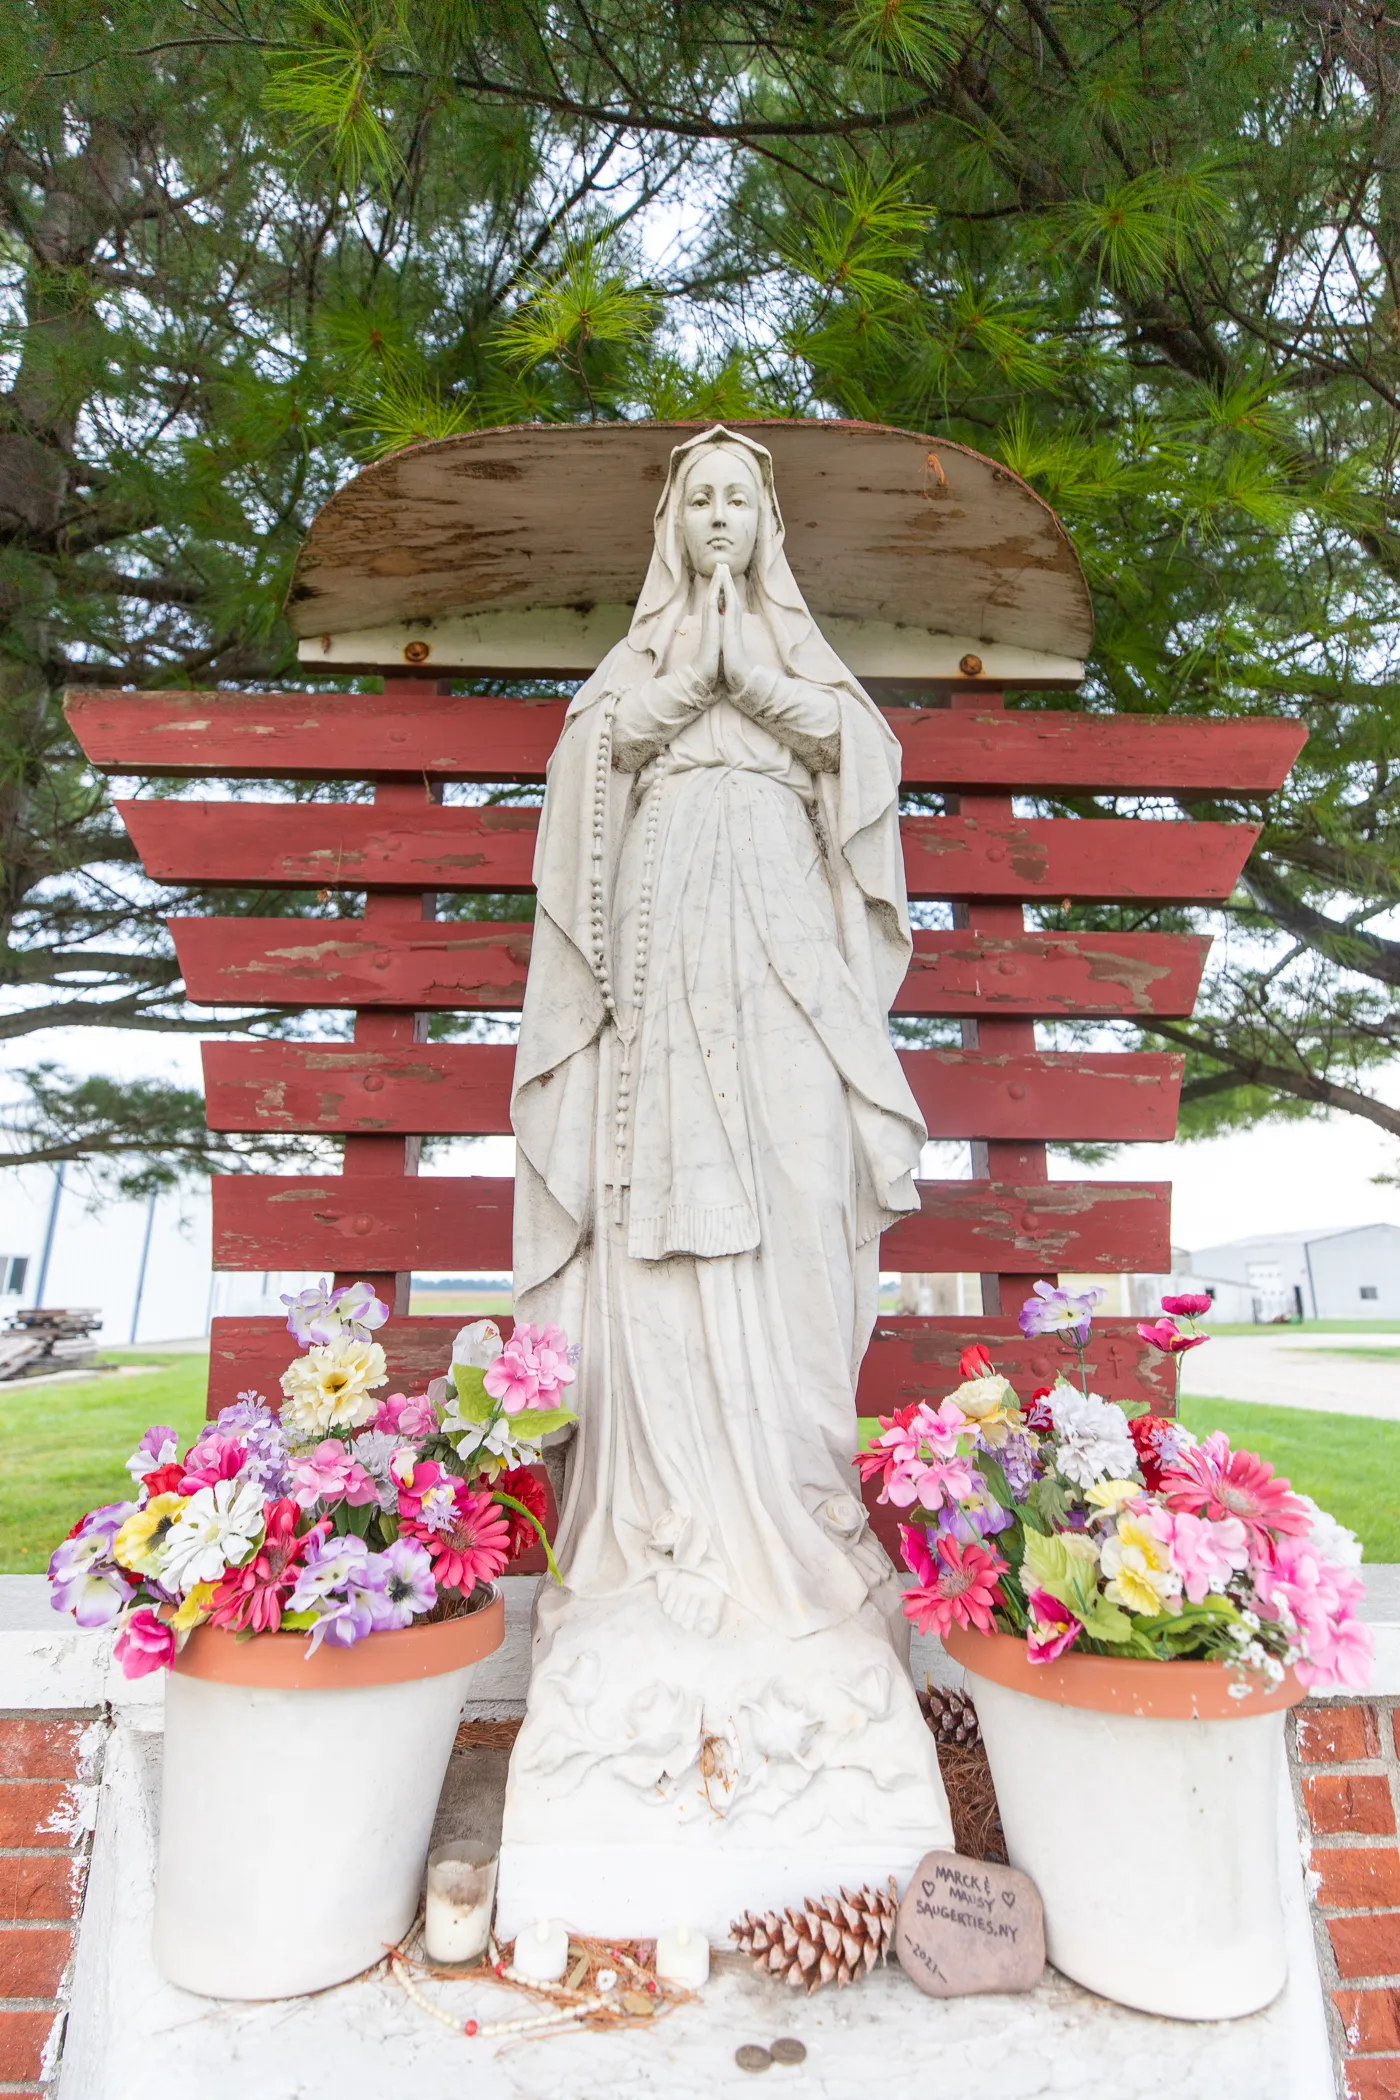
463,1089
354,847
383,1223
479,966
354,736
425,534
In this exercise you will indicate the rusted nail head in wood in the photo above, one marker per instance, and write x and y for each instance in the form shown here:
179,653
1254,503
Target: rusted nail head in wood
374,1083
1008,969
417,652
363,1225
1016,1090
970,665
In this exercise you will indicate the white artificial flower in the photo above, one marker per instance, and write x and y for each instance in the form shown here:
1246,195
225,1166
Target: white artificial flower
978,1397
218,1528
331,1387
374,1448
1332,1540
1092,1441
500,1441
478,1345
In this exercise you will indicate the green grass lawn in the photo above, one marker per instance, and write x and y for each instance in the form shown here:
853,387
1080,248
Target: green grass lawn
63,1448
1284,1328
1345,1462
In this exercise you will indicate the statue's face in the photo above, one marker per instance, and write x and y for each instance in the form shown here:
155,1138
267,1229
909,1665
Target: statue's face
719,510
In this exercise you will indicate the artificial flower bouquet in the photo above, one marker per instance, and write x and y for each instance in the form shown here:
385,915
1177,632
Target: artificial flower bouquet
341,1517
1078,1524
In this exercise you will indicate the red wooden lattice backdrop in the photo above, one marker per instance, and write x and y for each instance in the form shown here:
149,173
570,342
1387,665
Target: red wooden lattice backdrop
395,965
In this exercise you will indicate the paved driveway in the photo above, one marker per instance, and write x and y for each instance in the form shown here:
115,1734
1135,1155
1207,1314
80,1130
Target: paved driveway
1300,1370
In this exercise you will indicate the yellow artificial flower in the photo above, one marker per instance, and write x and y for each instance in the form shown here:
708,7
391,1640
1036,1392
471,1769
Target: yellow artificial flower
992,1404
1109,1496
1141,1576
194,1608
140,1544
331,1387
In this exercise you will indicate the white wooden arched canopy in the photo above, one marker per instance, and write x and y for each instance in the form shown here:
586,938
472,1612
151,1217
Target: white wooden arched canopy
523,549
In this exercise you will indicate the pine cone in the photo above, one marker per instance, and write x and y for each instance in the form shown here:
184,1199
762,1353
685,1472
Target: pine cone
831,1938
952,1717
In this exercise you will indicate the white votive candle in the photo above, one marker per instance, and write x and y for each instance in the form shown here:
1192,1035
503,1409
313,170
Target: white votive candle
683,1957
461,1890
541,1952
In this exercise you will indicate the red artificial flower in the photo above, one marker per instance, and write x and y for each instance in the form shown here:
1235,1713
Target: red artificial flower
1038,1415
879,1458
165,1480
1147,1433
1213,1481
1163,1335
473,1546
525,1487
250,1599
958,1588
1189,1305
975,1362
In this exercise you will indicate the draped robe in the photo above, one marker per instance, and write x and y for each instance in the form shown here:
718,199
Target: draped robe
712,1126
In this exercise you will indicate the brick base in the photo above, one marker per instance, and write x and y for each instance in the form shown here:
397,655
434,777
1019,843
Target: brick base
48,1773
1347,1782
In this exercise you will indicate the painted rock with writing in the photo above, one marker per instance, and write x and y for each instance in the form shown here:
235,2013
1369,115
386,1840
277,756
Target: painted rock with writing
966,1925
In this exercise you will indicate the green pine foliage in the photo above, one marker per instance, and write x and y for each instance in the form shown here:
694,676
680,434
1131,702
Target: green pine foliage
1143,251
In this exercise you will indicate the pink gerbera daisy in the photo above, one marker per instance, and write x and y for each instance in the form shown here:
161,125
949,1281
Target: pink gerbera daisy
472,1546
250,1599
958,1587
1211,1480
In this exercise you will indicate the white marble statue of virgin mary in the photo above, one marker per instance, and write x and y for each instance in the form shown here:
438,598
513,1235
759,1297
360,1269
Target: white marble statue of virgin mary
712,1132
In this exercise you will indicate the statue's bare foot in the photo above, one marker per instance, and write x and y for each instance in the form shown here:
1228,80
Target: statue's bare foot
692,1602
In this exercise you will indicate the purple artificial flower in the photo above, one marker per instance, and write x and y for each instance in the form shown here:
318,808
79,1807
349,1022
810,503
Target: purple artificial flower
83,1577
973,1522
339,1581
325,1315
1053,1311
258,1429
409,1588
160,1446
1017,1463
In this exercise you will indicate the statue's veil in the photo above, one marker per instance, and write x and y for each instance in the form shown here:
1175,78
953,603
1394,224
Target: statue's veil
799,645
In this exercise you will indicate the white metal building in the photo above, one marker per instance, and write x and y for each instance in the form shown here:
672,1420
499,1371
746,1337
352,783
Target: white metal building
1351,1274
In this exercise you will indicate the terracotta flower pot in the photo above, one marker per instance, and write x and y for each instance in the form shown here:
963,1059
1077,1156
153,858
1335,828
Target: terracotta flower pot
298,1799
1142,1799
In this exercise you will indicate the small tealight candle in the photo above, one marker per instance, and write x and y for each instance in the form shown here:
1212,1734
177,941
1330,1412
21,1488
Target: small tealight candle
461,1891
541,1952
683,1957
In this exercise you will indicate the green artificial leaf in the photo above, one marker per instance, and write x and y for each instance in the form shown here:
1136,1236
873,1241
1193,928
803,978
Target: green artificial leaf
299,1621
532,1423
474,1403
995,1478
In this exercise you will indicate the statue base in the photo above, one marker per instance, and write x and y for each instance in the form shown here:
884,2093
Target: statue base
671,1777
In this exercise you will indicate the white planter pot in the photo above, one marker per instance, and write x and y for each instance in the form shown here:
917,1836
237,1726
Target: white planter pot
298,1800
1142,1800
